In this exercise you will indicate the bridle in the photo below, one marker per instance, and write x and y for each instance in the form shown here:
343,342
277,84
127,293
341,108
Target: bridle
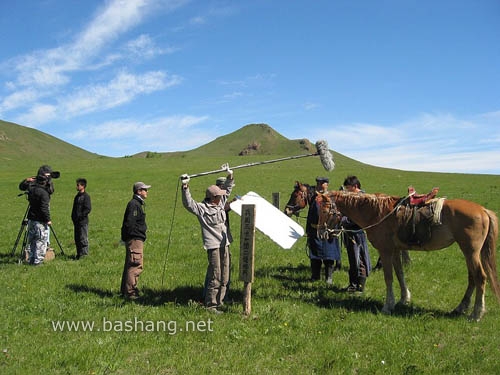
301,197
328,228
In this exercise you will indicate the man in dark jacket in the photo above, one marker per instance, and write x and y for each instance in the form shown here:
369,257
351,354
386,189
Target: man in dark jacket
80,217
39,189
356,244
133,233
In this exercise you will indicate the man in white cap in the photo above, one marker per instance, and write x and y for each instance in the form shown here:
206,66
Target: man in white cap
133,233
212,218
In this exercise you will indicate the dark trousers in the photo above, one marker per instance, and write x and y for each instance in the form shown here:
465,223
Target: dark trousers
81,239
357,267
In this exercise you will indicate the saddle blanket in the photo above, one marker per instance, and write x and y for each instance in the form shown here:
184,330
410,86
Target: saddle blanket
415,223
270,220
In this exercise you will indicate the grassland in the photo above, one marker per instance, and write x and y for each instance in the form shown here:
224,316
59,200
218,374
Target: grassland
296,326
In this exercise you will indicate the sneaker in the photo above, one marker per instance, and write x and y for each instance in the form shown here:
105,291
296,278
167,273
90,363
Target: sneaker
351,289
214,310
132,297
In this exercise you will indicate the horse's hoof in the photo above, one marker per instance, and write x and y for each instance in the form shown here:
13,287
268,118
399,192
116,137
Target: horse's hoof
473,319
456,313
475,316
386,311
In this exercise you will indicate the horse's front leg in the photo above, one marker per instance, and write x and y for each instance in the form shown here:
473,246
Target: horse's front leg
398,268
390,302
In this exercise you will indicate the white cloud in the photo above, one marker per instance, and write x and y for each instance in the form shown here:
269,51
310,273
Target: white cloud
18,99
122,89
198,20
38,114
143,47
53,69
310,106
430,142
164,134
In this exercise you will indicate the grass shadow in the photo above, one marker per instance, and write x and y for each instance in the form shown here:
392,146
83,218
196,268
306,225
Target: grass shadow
8,258
184,295
79,288
296,284
17,257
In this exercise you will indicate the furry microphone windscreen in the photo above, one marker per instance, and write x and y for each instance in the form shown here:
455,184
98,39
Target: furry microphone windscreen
325,155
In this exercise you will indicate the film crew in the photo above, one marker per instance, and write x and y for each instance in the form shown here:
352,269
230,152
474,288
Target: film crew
133,234
80,217
321,251
216,237
356,244
39,189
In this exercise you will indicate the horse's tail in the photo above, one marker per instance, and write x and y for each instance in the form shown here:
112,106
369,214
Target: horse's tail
488,253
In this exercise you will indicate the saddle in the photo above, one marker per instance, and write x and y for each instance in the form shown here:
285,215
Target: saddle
416,216
421,199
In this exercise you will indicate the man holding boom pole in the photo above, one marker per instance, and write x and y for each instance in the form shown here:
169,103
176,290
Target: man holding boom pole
212,218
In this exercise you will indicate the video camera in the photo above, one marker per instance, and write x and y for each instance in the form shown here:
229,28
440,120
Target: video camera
44,176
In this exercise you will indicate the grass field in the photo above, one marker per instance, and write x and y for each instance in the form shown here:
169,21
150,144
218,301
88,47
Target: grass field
296,327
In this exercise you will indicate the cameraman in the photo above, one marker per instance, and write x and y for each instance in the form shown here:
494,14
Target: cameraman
39,189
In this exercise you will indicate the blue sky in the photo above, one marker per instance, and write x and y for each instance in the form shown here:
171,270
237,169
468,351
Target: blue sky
405,84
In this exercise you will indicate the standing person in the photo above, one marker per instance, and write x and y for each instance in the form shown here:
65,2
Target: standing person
39,189
80,217
133,233
356,244
212,218
45,172
223,182
321,251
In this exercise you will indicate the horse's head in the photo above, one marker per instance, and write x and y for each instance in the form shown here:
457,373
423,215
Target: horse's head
298,199
329,216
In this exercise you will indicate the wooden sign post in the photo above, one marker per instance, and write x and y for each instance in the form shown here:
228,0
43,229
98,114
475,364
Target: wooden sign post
276,200
247,250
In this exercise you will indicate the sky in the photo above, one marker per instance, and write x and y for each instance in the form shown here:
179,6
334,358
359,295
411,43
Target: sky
405,84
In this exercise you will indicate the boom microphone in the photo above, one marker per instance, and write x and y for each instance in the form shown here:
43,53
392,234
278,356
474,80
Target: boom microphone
321,149
325,155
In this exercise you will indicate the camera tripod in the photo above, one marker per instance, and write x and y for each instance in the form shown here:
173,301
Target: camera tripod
23,232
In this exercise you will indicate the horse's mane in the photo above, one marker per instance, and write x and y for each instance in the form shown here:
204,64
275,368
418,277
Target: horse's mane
379,202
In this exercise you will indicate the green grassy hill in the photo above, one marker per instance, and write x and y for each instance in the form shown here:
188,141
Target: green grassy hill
20,142
255,139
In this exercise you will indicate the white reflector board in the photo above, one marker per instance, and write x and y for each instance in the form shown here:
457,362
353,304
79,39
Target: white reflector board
270,220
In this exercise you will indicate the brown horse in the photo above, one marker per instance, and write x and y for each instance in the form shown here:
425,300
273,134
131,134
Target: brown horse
473,227
302,194
300,197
